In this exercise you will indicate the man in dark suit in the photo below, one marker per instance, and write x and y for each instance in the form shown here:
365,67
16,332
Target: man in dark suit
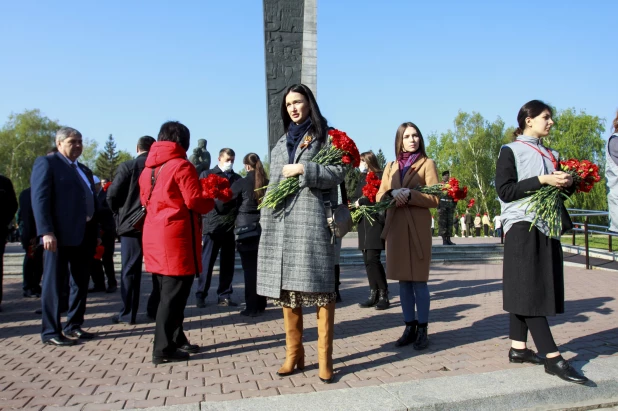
33,258
64,207
218,235
8,207
124,201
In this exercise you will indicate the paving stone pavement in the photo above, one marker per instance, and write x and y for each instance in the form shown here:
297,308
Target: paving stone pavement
240,355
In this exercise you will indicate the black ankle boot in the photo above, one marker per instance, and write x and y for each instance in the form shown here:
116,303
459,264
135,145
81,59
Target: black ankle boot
448,240
383,302
561,368
371,301
525,355
337,282
421,338
444,241
409,334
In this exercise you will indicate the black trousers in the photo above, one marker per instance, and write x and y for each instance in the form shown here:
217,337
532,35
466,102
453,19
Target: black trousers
2,247
154,298
72,262
486,229
539,329
169,334
109,242
131,277
375,270
249,258
212,244
477,231
33,270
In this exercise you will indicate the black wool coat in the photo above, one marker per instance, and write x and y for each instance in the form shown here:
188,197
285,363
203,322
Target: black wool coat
369,233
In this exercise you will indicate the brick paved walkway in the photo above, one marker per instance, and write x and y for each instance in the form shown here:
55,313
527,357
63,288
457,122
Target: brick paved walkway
240,355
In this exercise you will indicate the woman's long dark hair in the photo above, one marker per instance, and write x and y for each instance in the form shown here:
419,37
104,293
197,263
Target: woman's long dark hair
399,139
261,180
616,123
371,160
531,109
319,125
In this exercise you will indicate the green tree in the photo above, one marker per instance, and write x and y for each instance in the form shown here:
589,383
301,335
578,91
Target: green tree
381,159
579,135
123,156
107,160
90,153
23,138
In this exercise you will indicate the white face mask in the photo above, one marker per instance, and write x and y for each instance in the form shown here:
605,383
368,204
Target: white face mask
362,168
227,166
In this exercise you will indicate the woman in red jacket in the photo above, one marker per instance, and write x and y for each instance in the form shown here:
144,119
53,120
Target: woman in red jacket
172,194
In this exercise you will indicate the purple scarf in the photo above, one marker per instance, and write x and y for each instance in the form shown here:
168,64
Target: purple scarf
405,160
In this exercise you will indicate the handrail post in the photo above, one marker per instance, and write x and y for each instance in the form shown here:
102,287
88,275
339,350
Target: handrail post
586,243
575,226
609,241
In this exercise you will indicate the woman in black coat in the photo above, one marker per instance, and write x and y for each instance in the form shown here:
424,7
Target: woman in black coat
248,229
369,238
533,264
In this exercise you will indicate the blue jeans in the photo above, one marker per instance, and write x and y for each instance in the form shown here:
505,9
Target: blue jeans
414,293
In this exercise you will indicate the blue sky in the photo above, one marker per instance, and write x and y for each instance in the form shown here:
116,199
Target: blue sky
125,67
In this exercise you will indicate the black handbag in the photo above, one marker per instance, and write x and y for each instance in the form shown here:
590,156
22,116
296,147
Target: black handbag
137,219
338,219
247,232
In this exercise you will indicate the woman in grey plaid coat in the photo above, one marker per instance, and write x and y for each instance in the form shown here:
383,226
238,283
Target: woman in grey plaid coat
296,258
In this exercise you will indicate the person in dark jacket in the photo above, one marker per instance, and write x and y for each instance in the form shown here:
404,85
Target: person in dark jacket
8,207
174,199
123,199
369,238
218,235
247,197
446,209
103,266
33,258
533,273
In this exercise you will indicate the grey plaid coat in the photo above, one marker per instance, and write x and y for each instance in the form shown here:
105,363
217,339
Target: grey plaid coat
295,251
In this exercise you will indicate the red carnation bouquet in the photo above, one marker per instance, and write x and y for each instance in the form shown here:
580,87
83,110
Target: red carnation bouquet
372,185
341,151
471,203
547,202
216,187
451,189
106,186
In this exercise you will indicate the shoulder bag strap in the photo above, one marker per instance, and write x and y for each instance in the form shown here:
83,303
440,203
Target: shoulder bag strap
153,180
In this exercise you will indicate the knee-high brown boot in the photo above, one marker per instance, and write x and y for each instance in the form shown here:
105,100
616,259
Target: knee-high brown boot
295,353
326,328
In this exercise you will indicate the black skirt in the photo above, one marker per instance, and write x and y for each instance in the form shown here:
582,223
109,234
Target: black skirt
533,272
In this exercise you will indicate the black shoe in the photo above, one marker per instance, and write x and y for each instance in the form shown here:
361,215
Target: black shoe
421,338
116,320
200,302
383,302
327,381
371,301
564,370
81,334
227,302
175,357
60,341
249,313
38,311
96,290
31,294
111,289
444,241
449,242
189,348
526,355
408,336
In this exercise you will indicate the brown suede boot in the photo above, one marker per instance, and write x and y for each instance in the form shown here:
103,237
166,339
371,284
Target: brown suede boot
295,353
326,328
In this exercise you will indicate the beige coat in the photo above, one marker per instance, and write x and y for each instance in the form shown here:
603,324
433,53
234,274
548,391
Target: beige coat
407,230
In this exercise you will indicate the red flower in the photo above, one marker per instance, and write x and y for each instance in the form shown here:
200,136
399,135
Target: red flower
585,173
344,143
372,185
106,186
471,203
216,187
99,252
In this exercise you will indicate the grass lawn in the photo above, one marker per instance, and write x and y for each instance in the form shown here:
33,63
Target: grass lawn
594,241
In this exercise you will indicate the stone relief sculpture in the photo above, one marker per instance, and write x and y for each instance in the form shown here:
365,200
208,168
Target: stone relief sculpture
200,157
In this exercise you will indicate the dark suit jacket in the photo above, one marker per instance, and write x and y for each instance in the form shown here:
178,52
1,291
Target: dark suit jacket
8,205
123,194
221,218
25,218
58,199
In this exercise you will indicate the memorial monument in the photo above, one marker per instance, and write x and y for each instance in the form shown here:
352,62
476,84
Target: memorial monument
290,43
200,157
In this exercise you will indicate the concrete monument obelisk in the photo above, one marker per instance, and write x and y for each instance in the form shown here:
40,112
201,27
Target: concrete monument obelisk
290,40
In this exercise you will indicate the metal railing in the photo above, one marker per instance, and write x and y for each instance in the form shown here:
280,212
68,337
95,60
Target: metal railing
587,228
